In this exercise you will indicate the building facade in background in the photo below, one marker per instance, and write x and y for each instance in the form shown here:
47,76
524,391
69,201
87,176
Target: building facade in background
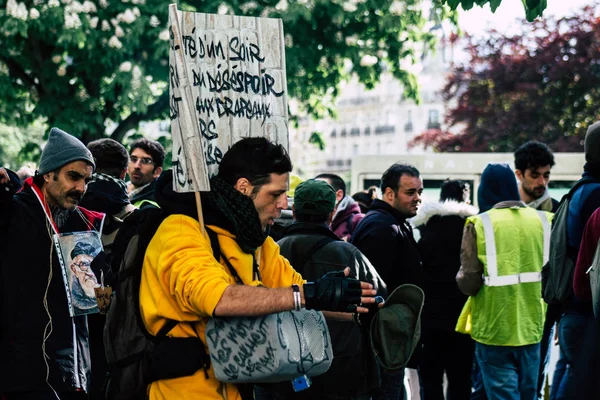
374,122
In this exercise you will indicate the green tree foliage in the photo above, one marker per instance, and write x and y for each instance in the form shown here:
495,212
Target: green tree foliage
533,8
543,84
20,146
88,65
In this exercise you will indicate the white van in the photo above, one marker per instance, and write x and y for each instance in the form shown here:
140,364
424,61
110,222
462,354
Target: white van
436,167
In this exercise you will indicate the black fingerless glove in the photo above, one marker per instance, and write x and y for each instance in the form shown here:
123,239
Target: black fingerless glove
333,292
8,189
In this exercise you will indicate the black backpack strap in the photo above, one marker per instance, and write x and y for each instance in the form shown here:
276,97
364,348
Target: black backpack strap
170,324
216,249
303,258
214,243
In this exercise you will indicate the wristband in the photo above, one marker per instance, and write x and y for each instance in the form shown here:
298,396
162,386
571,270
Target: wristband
297,297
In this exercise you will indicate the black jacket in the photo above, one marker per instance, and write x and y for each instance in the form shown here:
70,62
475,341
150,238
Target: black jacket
146,197
27,282
441,227
349,372
386,239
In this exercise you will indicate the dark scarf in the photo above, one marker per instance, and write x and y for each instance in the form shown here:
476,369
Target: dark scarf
60,215
226,207
223,206
592,168
105,194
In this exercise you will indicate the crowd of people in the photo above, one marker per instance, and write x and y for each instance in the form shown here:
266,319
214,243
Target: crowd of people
484,331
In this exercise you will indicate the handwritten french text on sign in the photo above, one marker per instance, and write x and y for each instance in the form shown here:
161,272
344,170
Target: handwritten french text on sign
227,81
270,348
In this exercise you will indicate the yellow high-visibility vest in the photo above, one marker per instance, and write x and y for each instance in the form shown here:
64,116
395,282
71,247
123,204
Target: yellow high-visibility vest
513,245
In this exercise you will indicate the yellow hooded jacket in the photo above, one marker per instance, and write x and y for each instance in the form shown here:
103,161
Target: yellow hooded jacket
181,280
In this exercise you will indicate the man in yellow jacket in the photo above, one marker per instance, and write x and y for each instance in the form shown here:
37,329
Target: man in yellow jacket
502,254
182,280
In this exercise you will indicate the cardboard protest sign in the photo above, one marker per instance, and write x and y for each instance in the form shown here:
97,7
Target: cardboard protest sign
227,81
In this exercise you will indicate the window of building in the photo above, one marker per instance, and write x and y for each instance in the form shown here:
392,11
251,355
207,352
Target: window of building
408,127
434,116
434,119
384,129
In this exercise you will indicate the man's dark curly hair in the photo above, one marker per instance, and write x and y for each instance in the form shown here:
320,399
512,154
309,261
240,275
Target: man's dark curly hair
533,155
254,159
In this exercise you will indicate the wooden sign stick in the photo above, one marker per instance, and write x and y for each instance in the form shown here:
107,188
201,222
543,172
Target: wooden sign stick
200,215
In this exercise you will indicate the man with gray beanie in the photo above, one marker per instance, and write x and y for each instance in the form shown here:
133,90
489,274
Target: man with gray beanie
44,351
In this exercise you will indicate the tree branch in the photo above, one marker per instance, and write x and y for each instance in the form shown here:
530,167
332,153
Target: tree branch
132,121
20,73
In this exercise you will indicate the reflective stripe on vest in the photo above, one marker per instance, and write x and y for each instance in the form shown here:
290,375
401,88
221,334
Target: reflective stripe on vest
140,203
492,263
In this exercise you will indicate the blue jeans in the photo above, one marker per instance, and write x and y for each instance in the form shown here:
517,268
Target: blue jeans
392,386
477,390
509,373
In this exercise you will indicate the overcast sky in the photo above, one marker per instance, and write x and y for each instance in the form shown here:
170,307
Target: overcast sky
477,20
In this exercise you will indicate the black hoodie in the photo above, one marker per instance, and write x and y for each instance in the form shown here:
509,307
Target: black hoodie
386,239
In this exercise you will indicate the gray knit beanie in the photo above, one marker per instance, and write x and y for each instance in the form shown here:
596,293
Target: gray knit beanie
591,145
62,149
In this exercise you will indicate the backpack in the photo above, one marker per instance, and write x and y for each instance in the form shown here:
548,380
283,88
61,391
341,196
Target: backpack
594,274
112,224
300,260
557,273
135,357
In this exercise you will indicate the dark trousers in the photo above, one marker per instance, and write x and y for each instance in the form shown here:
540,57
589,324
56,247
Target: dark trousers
450,352
558,391
586,384
392,386
45,395
552,316
97,356
573,335
284,391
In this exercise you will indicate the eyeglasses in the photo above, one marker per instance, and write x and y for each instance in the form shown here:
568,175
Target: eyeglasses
144,160
83,265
